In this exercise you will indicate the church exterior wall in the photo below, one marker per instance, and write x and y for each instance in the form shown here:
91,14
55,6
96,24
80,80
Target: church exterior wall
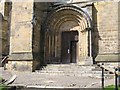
21,37
119,28
26,32
107,31
40,12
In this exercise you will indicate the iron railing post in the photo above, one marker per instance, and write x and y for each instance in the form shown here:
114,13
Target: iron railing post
116,88
119,77
102,76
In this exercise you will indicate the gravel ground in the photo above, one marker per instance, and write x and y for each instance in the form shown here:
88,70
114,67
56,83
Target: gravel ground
33,79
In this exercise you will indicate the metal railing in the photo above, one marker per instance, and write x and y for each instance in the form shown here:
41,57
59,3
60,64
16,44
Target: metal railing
4,60
117,75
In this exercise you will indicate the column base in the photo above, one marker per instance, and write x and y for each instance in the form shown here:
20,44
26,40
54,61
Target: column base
19,65
85,61
108,58
21,62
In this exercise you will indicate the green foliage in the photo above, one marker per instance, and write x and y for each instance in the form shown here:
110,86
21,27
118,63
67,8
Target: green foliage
1,78
111,87
3,87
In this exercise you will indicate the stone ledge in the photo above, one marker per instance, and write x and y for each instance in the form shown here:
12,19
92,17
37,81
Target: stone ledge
20,56
108,58
19,66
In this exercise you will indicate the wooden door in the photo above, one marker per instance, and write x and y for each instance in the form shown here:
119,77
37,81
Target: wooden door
73,53
68,47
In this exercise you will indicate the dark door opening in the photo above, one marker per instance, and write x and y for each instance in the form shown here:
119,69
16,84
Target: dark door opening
73,51
69,41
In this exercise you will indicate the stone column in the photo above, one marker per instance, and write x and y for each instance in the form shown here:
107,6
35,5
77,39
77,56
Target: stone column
85,47
20,55
107,31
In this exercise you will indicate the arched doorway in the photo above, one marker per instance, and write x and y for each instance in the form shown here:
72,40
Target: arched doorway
66,35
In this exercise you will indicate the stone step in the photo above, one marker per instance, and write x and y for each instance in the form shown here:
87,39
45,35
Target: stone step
95,75
80,70
77,72
97,68
67,67
109,68
73,70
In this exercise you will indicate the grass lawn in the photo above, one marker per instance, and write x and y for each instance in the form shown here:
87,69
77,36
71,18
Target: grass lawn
111,87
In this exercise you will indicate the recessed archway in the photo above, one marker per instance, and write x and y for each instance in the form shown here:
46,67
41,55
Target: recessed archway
66,18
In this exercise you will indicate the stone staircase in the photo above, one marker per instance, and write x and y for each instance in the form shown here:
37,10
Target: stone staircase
74,70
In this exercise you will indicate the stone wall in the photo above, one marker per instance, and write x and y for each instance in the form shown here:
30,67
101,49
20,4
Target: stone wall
19,65
1,20
119,28
25,37
21,27
2,7
40,12
106,31
27,34
1,24
5,9
21,36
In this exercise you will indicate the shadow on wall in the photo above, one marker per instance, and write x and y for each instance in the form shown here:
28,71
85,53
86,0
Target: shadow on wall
45,11
95,35
6,27
36,39
5,22
38,33
1,24
4,48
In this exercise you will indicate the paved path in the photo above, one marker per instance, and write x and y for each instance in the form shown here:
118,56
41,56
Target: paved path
34,79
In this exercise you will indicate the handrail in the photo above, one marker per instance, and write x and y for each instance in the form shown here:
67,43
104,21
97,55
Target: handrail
115,71
106,68
4,59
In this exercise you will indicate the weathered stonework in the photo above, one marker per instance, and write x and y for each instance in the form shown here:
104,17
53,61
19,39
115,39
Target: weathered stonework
106,28
21,37
119,29
21,27
36,27
20,65
1,20
39,17
1,24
